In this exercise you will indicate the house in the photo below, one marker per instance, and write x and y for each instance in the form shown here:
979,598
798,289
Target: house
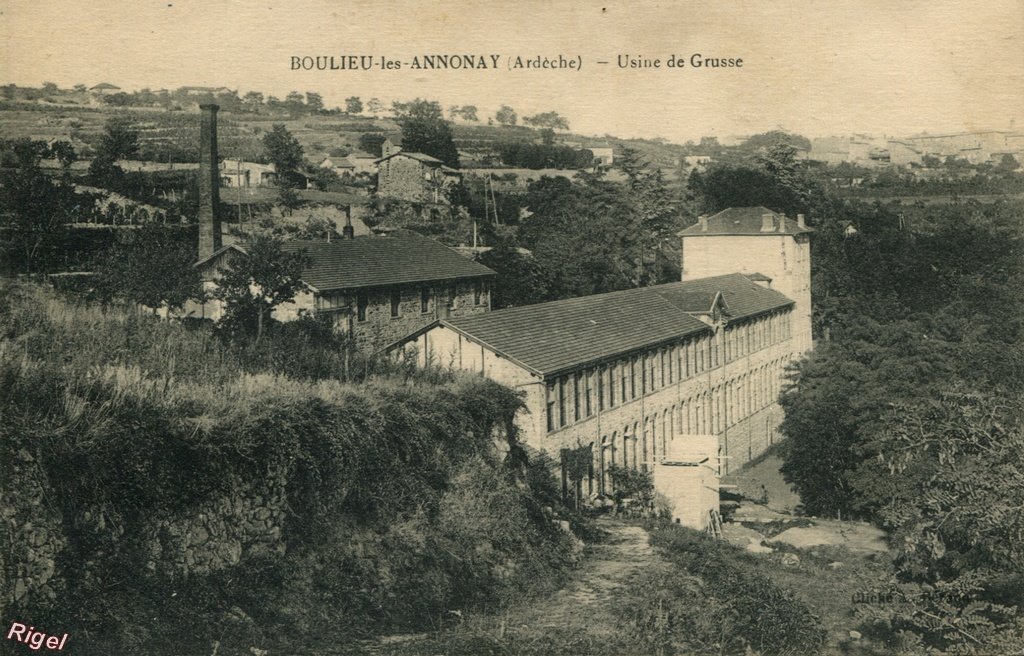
239,173
340,165
203,91
976,147
374,288
647,378
604,155
363,163
104,88
902,153
415,177
392,144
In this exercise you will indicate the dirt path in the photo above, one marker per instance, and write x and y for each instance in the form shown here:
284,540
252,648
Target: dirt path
587,602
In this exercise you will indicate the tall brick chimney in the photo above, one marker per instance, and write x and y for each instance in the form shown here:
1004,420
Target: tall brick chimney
209,182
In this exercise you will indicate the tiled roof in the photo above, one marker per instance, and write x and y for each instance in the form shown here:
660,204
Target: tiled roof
548,338
743,221
420,157
401,258
743,297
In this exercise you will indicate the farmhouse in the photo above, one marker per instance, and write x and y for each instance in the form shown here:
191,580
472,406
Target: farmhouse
239,173
415,177
104,88
374,288
635,377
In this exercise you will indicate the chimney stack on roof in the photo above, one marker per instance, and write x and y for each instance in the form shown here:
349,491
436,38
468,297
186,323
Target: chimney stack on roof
209,183
348,232
703,219
768,222
800,221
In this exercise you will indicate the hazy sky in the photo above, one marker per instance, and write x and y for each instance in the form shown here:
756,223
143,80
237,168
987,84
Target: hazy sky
818,68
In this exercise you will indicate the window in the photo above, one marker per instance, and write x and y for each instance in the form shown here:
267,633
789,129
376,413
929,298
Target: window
361,303
424,300
588,407
478,293
561,402
576,397
453,297
550,388
625,382
396,302
613,380
633,364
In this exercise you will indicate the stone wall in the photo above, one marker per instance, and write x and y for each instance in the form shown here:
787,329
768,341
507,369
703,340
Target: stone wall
380,328
36,542
405,178
31,535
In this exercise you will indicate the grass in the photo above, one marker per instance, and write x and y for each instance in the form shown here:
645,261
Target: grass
390,484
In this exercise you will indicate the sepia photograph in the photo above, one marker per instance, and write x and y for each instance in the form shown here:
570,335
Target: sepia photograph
546,328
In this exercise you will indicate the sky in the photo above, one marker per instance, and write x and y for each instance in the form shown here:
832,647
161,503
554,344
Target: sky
816,68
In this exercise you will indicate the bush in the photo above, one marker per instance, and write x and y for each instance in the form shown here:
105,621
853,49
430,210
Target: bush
716,602
394,503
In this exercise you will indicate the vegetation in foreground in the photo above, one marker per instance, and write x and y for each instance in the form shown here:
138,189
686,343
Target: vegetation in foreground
711,598
910,414
391,486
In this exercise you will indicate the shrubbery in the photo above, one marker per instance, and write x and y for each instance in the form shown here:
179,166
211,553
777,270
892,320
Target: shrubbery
398,505
715,601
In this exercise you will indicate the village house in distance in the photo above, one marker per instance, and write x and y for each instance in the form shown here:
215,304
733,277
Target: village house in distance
642,377
413,177
375,288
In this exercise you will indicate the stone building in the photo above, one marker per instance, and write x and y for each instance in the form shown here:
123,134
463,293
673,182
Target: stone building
239,173
375,288
415,177
755,240
635,376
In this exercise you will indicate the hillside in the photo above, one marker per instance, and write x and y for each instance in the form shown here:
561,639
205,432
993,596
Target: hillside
172,133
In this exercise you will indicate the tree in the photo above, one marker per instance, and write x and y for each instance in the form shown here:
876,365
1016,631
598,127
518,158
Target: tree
151,266
353,105
371,142
294,102
314,102
285,152
547,120
582,234
259,282
465,112
1007,163
253,101
655,216
325,179
120,140
35,211
64,153
424,130
775,138
506,115
374,106
521,279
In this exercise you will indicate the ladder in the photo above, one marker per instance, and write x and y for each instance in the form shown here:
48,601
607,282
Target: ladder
714,523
